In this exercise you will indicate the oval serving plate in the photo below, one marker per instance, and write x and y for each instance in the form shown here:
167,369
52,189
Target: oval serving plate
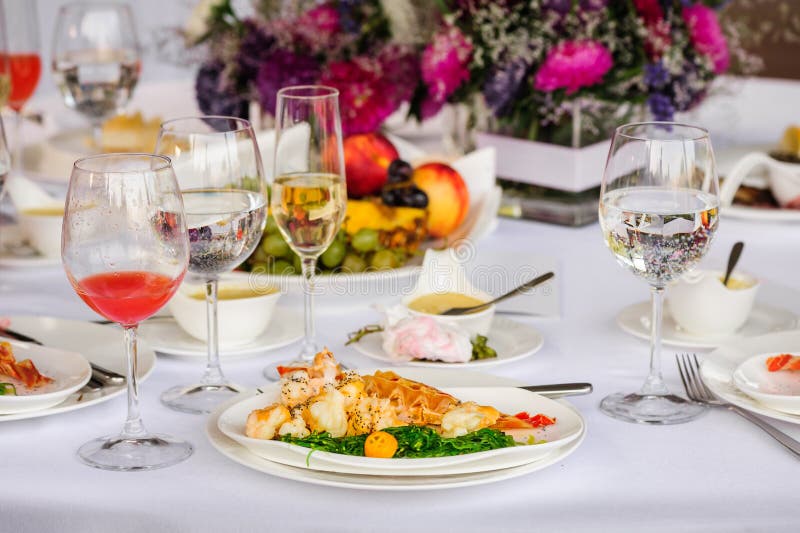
568,427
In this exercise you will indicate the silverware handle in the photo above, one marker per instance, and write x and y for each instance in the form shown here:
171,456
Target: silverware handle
788,442
525,286
106,376
560,389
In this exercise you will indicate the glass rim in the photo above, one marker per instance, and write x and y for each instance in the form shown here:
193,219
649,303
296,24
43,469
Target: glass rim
702,133
243,123
326,91
166,162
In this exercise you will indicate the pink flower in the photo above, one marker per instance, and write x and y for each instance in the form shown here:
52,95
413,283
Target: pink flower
445,63
365,101
658,39
319,28
573,65
706,34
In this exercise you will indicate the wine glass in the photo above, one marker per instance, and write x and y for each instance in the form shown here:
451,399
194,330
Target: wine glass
218,165
659,210
125,251
309,194
24,63
95,59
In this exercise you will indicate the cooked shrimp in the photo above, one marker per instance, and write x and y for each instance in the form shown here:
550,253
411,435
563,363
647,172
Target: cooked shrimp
263,423
368,414
326,412
351,386
296,427
466,418
296,388
325,367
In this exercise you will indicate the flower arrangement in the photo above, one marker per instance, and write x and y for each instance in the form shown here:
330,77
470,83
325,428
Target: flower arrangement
364,48
534,63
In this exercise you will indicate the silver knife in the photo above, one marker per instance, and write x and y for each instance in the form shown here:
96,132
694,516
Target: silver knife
558,390
99,373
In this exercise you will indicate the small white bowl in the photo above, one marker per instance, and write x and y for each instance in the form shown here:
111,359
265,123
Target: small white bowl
241,320
700,304
777,390
43,231
473,323
70,371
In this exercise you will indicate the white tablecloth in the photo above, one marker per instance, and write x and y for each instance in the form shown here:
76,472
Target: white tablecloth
714,474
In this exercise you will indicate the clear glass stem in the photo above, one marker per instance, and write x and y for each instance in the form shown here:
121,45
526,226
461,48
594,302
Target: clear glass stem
16,162
134,428
97,135
309,349
213,373
654,384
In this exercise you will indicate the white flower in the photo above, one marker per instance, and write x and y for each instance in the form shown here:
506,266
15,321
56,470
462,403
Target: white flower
197,25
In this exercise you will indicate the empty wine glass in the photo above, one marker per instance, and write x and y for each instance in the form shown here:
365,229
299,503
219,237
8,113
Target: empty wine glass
659,209
95,59
309,195
219,171
125,251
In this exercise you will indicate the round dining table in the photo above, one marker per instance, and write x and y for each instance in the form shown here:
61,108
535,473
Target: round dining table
716,473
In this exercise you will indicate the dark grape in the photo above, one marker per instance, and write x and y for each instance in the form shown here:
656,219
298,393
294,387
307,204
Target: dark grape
399,171
392,197
407,196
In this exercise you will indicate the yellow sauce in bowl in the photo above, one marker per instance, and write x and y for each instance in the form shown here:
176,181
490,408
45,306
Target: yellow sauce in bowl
736,284
234,293
435,304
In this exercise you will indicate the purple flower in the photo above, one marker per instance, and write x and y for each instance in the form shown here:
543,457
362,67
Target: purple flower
501,87
254,47
656,76
400,69
282,69
661,107
216,95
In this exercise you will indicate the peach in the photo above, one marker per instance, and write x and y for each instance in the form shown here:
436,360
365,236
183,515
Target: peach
448,197
366,158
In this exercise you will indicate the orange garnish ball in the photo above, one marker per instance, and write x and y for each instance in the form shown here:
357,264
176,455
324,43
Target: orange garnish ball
380,444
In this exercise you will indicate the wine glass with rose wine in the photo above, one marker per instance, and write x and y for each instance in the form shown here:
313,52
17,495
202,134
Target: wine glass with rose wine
95,59
659,211
309,194
219,170
125,250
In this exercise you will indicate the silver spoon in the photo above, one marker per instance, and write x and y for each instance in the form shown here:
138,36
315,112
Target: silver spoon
736,252
525,286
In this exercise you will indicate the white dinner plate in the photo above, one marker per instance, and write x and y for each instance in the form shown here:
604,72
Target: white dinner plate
165,336
761,214
69,371
98,344
510,400
718,367
778,390
511,340
635,319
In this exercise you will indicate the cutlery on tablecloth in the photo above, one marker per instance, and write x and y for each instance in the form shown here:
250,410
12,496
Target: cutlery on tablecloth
100,374
525,286
698,392
557,390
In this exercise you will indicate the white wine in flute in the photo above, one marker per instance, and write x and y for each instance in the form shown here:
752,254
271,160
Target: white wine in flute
308,208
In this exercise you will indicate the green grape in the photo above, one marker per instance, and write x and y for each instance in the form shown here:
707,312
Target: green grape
297,262
275,246
365,240
334,255
384,259
282,268
353,263
259,256
271,226
259,268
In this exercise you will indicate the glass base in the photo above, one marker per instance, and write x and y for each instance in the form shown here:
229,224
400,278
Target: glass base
651,409
122,454
199,399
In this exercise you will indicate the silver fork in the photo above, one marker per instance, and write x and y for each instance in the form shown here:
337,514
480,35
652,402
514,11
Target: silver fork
697,391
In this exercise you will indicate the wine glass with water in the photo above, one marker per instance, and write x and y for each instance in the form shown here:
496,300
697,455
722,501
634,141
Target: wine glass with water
95,59
309,194
125,251
659,210
219,170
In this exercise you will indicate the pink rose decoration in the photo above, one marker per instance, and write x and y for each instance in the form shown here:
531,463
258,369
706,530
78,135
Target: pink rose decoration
707,36
572,65
444,67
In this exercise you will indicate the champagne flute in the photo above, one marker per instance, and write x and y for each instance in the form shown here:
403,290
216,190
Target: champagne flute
95,59
218,165
125,251
309,194
659,210
24,63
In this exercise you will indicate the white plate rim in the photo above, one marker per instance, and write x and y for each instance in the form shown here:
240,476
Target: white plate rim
239,454
760,214
743,386
282,314
147,362
503,322
686,340
719,360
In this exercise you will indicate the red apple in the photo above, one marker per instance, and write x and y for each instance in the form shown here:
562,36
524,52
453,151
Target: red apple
366,158
448,197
